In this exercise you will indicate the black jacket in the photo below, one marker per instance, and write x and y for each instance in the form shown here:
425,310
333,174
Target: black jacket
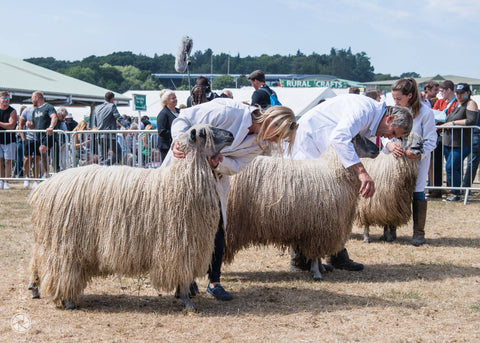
164,125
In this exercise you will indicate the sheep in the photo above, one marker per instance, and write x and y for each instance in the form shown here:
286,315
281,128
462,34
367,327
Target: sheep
395,180
96,220
308,203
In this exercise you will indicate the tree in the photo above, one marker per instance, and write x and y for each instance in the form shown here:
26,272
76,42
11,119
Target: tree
410,74
224,81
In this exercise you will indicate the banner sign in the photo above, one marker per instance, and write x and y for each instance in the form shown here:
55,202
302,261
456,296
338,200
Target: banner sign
140,102
313,83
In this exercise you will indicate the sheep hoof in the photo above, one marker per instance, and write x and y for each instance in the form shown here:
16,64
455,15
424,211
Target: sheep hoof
366,240
189,306
317,278
68,305
35,293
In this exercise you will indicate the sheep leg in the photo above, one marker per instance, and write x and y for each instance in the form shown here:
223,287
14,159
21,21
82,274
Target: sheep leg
33,286
315,269
69,305
366,234
184,296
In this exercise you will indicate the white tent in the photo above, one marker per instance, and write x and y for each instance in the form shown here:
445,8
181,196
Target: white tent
299,100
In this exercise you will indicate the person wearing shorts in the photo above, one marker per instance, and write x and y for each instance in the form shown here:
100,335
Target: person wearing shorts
8,121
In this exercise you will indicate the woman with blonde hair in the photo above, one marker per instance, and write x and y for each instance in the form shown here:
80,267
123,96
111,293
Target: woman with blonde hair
405,93
164,120
82,143
254,132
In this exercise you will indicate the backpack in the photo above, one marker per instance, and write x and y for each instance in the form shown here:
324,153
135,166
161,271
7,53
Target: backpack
273,97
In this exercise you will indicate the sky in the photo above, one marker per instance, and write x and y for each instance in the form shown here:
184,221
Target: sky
428,37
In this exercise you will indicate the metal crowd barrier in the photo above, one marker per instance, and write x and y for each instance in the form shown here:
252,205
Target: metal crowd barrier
36,156
467,179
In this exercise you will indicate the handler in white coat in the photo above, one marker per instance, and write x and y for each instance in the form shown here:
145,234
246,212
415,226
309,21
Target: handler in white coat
405,93
253,130
335,122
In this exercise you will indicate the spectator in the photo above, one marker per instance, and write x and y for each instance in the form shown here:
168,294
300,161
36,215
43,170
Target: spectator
70,122
261,95
226,94
8,121
354,90
106,117
405,93
204,85
335,122
18,172
374,94
83,145
59,159
30,148
165,119
430,93
457,142
473,158
446,105
45,118
149,152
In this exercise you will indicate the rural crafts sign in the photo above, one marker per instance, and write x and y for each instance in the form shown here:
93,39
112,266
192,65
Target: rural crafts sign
140,102
313,83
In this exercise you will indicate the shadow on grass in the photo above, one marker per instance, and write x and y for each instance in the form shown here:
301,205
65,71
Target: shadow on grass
254,300
434,242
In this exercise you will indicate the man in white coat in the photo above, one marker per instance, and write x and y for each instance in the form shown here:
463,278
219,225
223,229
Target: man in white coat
251,128
335,122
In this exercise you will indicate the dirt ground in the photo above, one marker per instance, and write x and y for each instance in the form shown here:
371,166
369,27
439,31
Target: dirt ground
405,294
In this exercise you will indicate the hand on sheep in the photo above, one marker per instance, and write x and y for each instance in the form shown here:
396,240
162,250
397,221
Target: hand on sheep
177,153
395,149
215,160
367,189
412,155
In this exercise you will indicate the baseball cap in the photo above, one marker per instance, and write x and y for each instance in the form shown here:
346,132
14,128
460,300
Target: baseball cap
462,88
69,115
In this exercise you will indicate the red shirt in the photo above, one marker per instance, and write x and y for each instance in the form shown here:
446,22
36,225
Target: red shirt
441,104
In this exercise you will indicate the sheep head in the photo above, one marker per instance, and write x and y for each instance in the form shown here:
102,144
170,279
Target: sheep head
364,147
205,139
414,143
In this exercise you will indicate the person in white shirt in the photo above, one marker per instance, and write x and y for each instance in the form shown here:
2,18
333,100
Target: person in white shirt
335,122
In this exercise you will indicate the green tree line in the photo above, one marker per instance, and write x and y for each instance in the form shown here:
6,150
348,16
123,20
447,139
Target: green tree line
122,71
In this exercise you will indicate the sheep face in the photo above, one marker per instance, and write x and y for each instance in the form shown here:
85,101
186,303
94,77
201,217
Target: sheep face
364,147
414,143
208,140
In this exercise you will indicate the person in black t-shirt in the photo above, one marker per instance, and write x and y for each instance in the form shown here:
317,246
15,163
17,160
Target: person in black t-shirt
44,118
261,96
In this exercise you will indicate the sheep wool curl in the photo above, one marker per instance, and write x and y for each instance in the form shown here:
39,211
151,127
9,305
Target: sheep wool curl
395,180
284,202
95,221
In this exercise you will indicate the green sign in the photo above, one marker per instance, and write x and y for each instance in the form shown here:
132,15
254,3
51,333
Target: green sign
140,102
314,83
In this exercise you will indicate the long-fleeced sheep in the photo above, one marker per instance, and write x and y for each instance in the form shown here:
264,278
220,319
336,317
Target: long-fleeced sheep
309,204
95,221
395,180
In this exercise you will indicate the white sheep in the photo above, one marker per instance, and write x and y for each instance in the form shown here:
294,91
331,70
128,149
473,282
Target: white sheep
305,203
395,180
95,221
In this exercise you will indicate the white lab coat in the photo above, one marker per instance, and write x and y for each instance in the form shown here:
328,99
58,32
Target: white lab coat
226,114
335,122
424,125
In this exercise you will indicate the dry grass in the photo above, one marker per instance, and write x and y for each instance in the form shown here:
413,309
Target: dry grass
405,294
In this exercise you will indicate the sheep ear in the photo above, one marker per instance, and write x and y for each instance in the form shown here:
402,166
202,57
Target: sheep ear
193,135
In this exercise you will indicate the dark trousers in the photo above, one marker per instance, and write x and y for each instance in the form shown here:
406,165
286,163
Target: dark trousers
437,164
214,270
163,153
454,165
472,162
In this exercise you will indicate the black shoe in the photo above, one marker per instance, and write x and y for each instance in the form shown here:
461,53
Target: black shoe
219,293
193,290
342,261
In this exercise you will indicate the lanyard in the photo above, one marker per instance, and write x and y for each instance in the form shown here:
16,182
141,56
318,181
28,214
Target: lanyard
449,104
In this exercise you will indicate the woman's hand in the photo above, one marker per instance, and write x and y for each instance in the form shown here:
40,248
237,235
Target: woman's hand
177,153
411,155
395,149
215,160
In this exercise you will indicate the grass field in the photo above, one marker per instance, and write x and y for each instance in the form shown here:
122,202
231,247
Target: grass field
405,294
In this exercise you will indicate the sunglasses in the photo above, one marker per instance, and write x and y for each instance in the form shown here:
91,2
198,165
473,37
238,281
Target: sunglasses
5,98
